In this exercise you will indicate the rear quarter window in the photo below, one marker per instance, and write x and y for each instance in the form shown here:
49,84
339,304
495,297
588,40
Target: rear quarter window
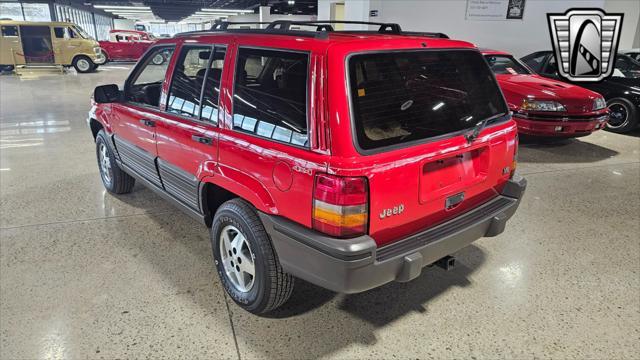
401,97
270,95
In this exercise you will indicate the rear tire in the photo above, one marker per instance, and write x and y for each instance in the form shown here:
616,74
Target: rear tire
83,64
624,116
114,179
247,247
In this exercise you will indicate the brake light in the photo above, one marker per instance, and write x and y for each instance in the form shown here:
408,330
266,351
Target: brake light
340,205
514,162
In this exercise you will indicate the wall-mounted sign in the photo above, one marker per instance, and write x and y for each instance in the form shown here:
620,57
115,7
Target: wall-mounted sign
373,13
495,9
515,9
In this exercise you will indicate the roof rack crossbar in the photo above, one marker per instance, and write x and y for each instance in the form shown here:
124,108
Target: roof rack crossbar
322,28
224,25
326,25
438,35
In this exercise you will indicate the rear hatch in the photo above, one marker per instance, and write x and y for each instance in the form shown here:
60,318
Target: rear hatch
412,114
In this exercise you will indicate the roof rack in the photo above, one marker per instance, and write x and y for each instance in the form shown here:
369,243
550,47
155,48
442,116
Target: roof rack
223,25
322,28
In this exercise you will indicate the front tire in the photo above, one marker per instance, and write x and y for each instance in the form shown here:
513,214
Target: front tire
103,55
623,116
246,261
83,64
114,179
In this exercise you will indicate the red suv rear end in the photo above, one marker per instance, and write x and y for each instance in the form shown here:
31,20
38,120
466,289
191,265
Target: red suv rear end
347,159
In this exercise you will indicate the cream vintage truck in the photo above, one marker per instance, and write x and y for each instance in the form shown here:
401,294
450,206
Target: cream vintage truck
43,43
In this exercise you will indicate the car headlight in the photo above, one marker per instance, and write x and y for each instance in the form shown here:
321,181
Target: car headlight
599,104
542,105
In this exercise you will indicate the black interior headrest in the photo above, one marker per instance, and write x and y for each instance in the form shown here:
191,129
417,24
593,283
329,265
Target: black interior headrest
218,55
204,55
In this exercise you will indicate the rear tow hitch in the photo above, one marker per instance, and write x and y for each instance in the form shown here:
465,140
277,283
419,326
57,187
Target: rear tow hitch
447,263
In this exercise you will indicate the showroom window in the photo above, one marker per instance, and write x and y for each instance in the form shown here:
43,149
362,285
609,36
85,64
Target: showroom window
36,12
84,20
270,95
103,26
11,11
146,84
399,97
187,80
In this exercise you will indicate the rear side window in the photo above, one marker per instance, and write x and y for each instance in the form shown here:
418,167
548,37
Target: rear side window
400,97
9,30
212,86
188,77
534,61
59,31
270,97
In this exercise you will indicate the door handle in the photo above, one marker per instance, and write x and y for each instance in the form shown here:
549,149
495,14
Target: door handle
147,122
202,139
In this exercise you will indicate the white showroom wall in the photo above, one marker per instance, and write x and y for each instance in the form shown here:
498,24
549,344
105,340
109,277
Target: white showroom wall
519,37
630,37
270,17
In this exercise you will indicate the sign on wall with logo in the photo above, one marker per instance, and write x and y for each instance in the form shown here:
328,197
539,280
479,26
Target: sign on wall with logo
495,9
515,9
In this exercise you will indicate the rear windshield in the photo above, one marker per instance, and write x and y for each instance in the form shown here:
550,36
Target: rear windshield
400,97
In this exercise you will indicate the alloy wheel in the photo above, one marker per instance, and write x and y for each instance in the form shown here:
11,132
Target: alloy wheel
238,260
105,163
619,116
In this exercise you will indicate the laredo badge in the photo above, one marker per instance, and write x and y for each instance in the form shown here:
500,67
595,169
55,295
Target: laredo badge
585,42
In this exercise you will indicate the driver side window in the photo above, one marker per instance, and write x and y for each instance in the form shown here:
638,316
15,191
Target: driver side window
146,84
552,66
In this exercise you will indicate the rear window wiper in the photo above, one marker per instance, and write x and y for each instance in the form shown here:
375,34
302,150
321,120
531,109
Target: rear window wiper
473,134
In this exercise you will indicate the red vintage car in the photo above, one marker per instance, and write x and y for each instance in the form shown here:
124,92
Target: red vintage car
545,107
126,45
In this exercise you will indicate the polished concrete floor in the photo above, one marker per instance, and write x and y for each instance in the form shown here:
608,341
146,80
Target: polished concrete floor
84,274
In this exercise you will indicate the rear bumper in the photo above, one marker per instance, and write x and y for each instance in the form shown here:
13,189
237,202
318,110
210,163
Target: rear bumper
356,265
559,127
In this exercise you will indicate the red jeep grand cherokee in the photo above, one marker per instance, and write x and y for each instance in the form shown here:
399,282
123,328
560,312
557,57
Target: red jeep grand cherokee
347,159
545,107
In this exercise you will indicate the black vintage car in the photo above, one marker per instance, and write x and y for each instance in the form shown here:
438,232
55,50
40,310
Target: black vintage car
621,90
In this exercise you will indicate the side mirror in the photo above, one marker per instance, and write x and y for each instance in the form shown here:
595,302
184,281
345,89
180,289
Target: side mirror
107,94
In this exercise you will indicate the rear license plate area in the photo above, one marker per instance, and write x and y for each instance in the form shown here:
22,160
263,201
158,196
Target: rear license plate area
450,175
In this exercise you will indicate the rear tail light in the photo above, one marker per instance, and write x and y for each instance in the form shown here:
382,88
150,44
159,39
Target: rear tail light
340,205
514,162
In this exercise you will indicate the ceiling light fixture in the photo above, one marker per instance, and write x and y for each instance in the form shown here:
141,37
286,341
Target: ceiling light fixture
128,11
115,7
212,14
227,11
